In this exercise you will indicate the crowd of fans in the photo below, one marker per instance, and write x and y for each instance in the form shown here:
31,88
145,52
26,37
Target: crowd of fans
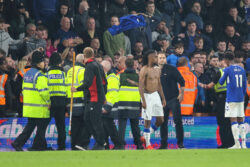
200,30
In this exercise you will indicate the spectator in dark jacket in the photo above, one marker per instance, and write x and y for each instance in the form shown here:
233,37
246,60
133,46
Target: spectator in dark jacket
195,16
43,9
54,21
82,17
20,20
230,35
90,33
67,37
241,27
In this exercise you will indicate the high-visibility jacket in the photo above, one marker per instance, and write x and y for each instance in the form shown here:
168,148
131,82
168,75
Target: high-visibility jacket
112,95
220,88
78,97
129,96
57,83
3,79
247,113
22,73
36,98
190,91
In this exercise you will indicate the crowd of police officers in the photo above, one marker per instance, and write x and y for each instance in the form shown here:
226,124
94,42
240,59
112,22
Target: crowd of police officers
95,102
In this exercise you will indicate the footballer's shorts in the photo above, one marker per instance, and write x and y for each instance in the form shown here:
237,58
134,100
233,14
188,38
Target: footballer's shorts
153,106
234,109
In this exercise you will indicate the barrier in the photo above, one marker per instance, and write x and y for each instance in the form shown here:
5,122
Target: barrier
199,132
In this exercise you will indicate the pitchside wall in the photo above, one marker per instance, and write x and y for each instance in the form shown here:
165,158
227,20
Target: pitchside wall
199,132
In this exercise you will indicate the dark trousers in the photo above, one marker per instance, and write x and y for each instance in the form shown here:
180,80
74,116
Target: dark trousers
58,112
110,130
79,133
224,123
134,123
93,119
174,106
39,141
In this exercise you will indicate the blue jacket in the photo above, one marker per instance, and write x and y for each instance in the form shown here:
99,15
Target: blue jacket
127,23
201,93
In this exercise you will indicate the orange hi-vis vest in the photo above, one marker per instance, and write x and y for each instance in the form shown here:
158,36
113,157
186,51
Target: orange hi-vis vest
3,79
247,112
190,91
22,73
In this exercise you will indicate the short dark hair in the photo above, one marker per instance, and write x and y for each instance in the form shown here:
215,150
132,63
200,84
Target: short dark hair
194,53
145,56
182,62
229,55
129,63
197,39
191,22
221,40
149,3
213,57
41,28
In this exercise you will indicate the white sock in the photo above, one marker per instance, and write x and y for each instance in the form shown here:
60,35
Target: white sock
242,128
147,138
152,130
236,132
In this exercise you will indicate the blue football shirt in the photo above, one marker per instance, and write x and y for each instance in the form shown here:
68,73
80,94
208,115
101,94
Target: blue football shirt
235,76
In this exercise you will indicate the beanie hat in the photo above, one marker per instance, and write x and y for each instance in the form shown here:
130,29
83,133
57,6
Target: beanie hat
37,57
55,59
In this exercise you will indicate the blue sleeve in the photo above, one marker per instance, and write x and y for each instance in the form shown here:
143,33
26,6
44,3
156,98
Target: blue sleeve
224,77
201,93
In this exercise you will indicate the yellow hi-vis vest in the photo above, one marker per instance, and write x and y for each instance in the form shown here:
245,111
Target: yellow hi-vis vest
220,88
112,95
78,97
56,83
36,96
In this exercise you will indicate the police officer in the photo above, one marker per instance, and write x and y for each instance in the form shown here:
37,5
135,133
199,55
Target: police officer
79,134
129,103
36,104
225,131
57,90
110,109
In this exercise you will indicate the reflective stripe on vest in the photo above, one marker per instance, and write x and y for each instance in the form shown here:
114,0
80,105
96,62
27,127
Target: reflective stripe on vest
128,108
35,105
76,105
129,89
110,90
190,91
